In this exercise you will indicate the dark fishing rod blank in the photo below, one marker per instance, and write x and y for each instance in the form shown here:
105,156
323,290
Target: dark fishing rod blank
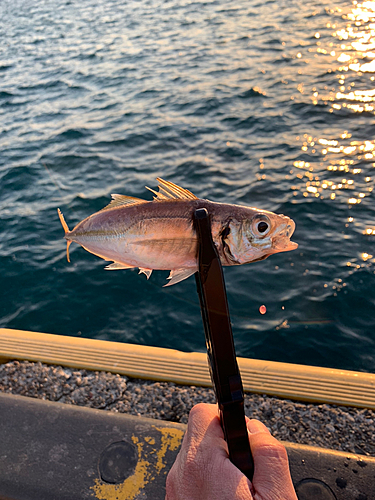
225,375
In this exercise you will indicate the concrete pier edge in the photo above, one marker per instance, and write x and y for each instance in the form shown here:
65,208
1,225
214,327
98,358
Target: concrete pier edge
293,381
50,450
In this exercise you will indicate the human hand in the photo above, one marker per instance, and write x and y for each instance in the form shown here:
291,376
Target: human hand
203,471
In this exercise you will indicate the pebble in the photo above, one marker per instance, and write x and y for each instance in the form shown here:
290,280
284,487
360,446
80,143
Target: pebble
336,427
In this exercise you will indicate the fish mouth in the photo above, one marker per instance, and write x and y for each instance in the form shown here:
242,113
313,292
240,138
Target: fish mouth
281,239
284,245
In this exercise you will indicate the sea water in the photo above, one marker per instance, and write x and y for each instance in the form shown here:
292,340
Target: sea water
267,104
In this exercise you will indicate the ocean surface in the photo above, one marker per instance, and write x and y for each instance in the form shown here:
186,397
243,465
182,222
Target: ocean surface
267,104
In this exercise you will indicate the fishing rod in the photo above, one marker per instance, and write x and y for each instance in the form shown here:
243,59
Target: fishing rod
225,375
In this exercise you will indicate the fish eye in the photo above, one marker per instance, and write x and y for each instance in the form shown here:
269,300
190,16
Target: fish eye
261,226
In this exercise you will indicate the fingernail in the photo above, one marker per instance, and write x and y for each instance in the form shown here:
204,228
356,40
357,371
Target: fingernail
254,427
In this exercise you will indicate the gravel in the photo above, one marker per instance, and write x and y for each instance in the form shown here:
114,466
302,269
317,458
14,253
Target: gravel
336,427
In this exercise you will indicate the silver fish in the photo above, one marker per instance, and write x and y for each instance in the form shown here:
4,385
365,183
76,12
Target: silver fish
159,234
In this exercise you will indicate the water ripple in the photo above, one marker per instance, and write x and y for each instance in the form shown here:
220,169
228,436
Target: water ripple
265,104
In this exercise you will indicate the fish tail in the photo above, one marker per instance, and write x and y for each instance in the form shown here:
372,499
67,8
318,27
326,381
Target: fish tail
66,229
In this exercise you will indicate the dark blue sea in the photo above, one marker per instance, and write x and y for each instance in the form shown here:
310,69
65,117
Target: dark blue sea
268,104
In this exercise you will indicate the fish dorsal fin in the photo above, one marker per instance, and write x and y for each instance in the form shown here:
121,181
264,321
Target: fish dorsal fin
178,275
170,191
119,200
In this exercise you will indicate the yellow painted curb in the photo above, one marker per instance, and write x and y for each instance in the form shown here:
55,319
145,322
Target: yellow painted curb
298,382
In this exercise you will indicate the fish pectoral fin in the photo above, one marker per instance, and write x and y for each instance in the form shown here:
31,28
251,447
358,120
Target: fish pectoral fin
117,265
178,275
119,200
145,271
170,191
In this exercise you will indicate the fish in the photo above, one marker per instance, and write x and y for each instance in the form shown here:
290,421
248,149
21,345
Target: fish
160,235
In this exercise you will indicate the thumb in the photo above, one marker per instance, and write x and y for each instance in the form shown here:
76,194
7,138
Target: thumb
271,467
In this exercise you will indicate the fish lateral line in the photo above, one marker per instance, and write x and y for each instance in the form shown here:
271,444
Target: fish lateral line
66,229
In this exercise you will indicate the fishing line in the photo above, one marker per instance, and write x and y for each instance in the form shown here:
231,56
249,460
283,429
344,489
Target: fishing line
52,179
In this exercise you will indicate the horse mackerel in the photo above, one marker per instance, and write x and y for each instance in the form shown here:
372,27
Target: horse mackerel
160,235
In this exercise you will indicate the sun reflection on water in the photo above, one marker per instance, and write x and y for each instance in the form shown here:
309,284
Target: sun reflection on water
341,167
336,171
358,56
